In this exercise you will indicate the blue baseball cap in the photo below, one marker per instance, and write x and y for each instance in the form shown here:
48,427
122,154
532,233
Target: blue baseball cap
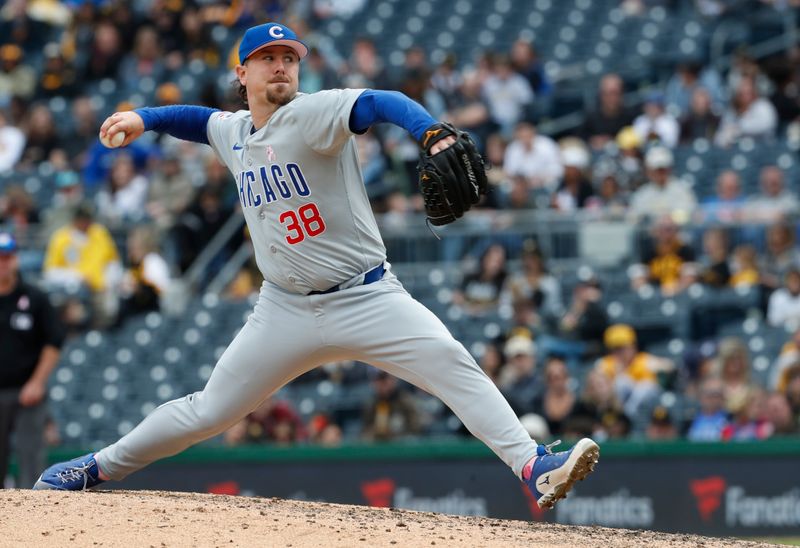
269,34
8,244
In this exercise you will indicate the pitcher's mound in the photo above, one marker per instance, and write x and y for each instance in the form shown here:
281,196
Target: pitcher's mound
159,519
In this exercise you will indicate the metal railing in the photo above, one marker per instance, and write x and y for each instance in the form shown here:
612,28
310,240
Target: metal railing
194,274
232,267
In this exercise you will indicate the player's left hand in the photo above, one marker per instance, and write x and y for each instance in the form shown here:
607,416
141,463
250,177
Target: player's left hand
32,393
439,146
452,176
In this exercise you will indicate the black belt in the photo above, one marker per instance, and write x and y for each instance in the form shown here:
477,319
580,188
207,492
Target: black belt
372,276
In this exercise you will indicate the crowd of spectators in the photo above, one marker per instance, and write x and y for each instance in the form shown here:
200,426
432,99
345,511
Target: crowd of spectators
118,225
571,371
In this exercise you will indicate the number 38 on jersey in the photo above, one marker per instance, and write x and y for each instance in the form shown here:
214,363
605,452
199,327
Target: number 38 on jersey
305,222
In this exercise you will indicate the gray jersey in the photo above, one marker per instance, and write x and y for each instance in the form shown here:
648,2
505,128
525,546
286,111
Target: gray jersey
301,191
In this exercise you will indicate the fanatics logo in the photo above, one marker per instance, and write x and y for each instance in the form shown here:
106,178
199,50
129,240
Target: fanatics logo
271,156
385,493
708,492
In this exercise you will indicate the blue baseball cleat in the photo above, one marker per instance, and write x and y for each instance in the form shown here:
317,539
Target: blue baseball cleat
554,474
74,475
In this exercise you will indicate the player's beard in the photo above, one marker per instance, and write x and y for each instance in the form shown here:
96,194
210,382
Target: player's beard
281,95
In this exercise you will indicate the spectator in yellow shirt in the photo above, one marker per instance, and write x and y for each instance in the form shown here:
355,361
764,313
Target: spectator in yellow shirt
634,373
664,259
82,252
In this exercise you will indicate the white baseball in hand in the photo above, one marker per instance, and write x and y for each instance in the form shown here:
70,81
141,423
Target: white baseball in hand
114,141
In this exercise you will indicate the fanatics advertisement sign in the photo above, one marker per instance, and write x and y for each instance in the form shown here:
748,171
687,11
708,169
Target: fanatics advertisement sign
714,496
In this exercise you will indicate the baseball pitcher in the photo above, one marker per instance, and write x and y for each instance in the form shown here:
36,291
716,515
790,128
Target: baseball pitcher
329,293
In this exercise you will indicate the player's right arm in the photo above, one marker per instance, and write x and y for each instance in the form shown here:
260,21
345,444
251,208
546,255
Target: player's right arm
187,122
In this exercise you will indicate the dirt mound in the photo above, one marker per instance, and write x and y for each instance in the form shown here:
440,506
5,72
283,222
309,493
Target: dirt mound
159,519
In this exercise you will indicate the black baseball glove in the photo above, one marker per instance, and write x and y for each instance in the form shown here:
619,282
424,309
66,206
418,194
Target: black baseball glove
452,180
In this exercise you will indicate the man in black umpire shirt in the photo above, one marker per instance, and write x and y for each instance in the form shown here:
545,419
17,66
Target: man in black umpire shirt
30,338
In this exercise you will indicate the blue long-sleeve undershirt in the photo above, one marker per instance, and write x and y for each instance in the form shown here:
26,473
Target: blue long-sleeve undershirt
187,122
375,106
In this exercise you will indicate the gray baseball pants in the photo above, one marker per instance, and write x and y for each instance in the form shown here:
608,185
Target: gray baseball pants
289,334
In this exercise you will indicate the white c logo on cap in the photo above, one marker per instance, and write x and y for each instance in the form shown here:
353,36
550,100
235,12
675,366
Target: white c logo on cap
276,32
